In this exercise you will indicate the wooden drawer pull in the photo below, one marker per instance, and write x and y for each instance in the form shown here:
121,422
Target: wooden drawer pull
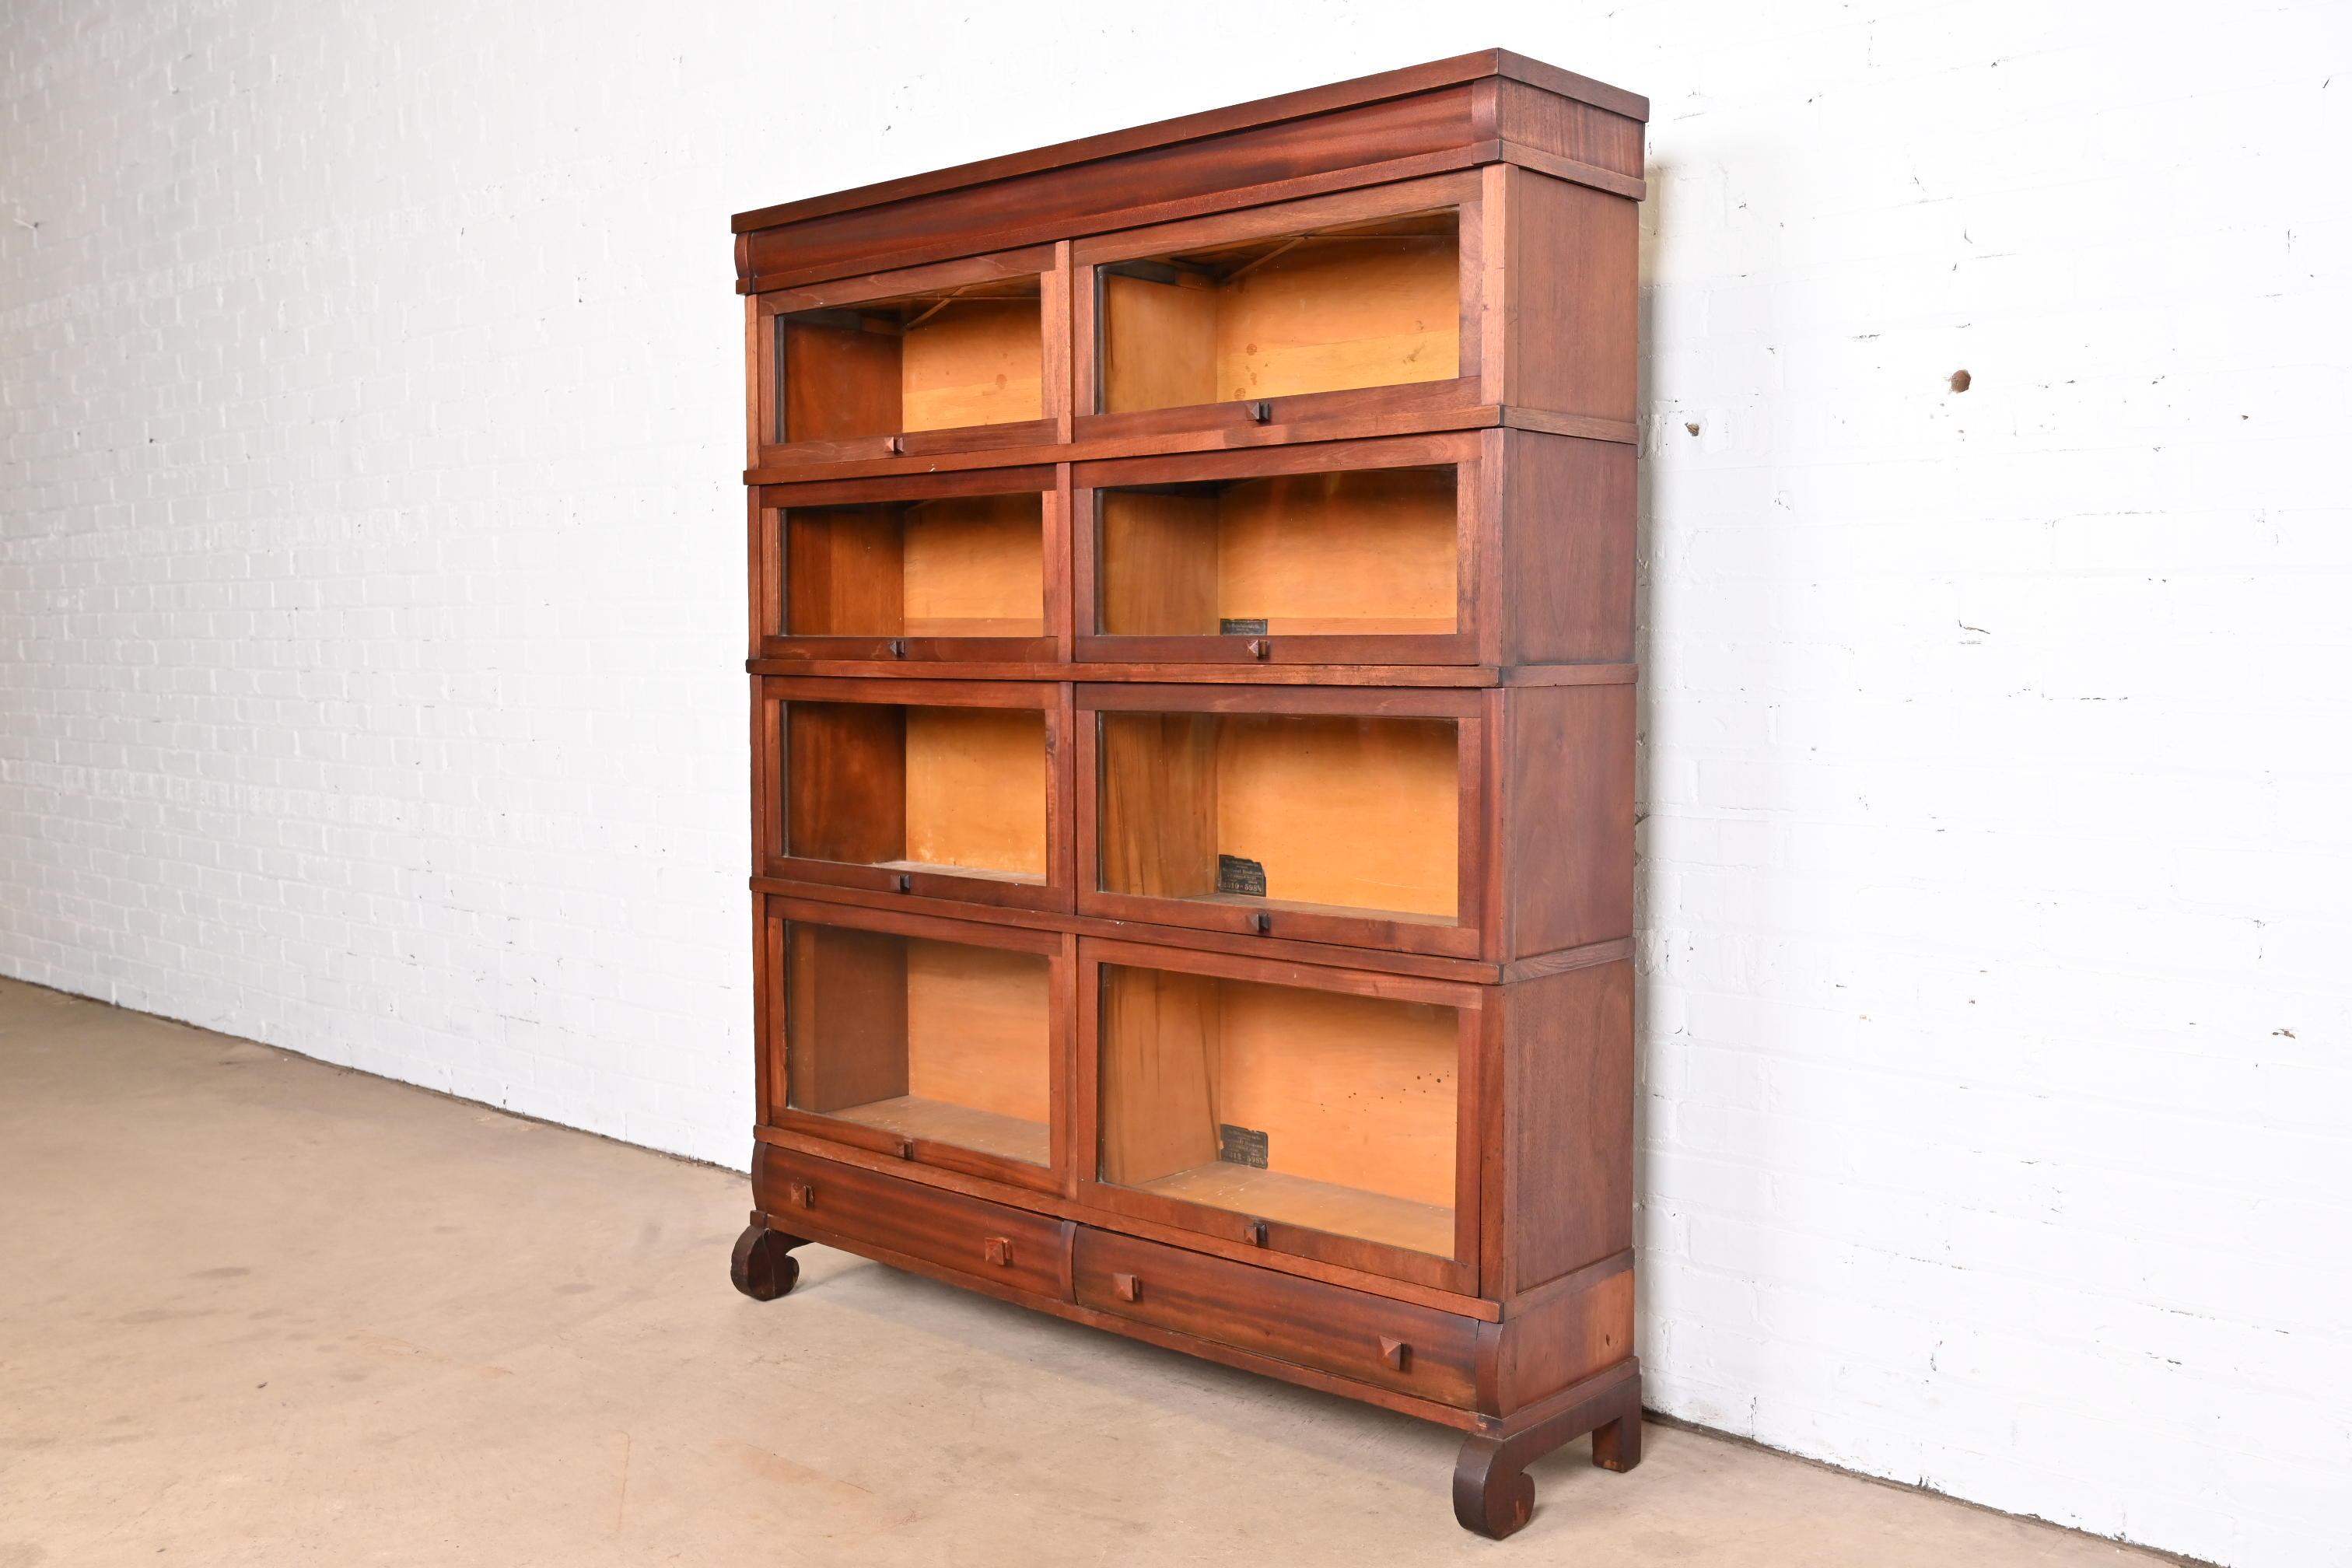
1395,1352
1127,1287
998,1251
1254,1232
803,1193
1259,413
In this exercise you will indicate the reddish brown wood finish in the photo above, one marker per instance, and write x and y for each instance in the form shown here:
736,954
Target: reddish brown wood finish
1457,1273
762,1267
1377,412
1459,998
1341,1331
1387,127
1492,1494
778,587
876,1015
1459,936
1400,676
1567,841
835,780
1561,1057
1477,588
823,1200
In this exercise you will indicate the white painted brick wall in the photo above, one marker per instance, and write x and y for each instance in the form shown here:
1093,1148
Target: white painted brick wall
368,609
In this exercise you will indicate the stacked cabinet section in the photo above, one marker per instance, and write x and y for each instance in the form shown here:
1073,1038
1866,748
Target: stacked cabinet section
1327,814
935,567
938,1041
1192,579
1366,304
959,357
1306,1109
951,789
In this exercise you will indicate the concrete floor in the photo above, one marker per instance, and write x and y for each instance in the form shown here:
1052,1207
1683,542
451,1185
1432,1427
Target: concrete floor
253,1310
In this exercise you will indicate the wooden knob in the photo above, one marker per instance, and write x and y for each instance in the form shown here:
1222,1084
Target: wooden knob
898,444
904,882
898,648
1260,648
998,1249
802,1193
1395,1352
1127,1287
1254,1232
1259,413
1260,922
904,1148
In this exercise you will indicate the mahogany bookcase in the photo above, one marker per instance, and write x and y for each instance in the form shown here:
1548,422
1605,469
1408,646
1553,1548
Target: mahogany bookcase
1192,725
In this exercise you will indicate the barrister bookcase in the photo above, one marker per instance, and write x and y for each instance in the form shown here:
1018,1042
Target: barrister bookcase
1192,725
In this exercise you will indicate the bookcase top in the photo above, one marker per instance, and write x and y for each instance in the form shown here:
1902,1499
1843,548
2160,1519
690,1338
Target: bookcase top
1288,106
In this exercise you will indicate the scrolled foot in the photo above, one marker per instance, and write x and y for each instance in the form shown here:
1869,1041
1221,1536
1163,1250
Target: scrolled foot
1492,1494
763,1266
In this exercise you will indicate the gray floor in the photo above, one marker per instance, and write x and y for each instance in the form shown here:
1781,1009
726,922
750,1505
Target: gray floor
253,1310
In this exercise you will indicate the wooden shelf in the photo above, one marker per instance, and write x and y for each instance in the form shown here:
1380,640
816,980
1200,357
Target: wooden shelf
1317,1206
986,873
944,1121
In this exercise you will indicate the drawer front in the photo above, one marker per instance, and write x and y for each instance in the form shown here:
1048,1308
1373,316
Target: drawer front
822,1201
1413,1350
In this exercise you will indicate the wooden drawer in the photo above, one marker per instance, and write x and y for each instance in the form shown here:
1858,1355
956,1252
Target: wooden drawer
862,1211
1395,1344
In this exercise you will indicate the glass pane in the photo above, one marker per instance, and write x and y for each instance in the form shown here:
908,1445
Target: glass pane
1312,813
917,789
932,1039
937,361
1310,1108
1364,553
960,566
1368,304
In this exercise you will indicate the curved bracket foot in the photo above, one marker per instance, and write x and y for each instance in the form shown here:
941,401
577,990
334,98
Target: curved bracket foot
763,1268
1492,1494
